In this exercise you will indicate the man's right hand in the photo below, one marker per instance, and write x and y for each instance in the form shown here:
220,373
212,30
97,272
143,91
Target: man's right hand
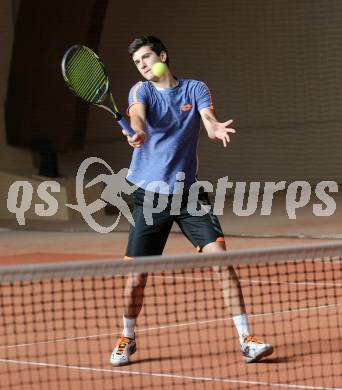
137,140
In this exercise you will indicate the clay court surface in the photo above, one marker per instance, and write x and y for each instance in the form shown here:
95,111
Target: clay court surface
81,357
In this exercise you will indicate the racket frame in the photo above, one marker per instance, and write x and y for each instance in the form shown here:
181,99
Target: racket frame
106,100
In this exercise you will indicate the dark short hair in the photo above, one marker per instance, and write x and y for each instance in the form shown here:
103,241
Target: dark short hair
154,43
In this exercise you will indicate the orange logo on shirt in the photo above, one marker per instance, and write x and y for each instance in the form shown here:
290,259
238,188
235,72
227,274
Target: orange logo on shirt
187,107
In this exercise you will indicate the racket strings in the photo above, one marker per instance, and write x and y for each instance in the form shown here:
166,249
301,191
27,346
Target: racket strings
86,75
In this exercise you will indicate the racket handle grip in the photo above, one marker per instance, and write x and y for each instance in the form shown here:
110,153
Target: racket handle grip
126,126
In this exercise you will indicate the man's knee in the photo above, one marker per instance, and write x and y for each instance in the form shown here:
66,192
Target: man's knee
214,247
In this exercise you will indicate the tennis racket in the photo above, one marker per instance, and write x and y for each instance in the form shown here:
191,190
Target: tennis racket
85,74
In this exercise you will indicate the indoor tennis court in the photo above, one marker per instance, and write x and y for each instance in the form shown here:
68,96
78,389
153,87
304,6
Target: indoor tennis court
274,68
65,333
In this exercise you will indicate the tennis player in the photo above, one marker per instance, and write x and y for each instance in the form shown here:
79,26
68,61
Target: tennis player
165,113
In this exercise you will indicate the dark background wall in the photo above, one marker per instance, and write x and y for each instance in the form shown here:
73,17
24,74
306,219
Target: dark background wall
273,66
38,114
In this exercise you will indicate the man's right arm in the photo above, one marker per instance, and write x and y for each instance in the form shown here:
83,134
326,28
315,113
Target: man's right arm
137,114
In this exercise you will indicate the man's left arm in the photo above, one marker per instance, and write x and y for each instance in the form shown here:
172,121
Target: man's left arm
216,130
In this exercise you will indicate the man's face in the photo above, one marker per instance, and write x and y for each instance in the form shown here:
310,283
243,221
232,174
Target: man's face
144,58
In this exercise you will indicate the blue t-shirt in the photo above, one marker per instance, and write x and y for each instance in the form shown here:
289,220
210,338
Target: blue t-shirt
172,126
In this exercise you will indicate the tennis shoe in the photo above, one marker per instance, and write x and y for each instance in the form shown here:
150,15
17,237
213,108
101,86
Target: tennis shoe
254,350
124,348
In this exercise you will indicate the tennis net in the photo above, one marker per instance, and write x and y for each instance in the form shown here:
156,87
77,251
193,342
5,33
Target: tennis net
60,322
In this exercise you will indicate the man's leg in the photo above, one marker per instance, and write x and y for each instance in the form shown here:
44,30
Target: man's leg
133,302
252,348
229,282
134,294
143,240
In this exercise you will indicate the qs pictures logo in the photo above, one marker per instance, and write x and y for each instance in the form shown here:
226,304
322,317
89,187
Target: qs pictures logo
115,185
20,195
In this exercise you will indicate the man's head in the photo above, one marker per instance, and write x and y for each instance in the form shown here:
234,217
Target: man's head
145,51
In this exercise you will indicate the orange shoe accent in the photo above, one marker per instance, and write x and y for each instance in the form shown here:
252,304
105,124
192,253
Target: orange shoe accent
252,339
121,344
220,239
187,107
128,258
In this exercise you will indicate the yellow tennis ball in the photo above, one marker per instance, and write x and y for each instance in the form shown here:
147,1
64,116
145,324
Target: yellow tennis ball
158,69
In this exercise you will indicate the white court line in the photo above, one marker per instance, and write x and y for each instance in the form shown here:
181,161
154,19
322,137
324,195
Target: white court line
170,375
265,281
255,281
168,326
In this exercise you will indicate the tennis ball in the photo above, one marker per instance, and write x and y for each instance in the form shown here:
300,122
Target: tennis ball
158,69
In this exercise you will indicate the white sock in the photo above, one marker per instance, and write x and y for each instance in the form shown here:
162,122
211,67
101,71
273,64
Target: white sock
241,324
129,325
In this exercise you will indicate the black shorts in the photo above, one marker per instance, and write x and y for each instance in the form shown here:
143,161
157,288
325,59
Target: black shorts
148,238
